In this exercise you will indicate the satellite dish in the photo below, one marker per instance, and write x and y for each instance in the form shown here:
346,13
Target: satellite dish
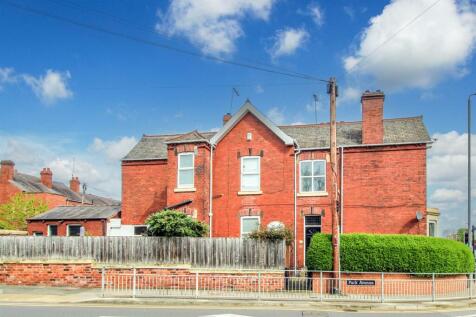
419,215
275,225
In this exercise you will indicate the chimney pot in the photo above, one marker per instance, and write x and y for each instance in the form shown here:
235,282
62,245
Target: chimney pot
46,177
7,170
372,117
226,118
74,184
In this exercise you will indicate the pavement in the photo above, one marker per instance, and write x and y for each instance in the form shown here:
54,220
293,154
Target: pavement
44,296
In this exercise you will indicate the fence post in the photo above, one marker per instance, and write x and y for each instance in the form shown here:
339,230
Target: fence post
433,293
471,281
321,283
382,288
196,284
103,280
259,285
134,276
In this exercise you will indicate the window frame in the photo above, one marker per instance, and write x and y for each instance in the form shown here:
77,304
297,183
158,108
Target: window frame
49,230
312,177
182,186
241,224
73,225
241,173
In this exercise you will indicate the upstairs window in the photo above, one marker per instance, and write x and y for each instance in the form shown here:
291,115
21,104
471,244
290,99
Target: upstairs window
312,176
185,173
250,174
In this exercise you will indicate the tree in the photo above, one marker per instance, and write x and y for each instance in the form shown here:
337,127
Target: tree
171,223
13,214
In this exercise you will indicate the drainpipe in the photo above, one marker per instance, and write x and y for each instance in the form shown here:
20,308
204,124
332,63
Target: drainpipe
210,212
296,153
341,190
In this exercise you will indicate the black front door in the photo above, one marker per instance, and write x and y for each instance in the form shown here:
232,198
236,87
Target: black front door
312,225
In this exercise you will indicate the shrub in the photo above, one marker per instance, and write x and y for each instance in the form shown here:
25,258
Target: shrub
391,253
273,234
171,223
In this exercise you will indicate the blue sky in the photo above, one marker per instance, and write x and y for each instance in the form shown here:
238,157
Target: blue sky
76,98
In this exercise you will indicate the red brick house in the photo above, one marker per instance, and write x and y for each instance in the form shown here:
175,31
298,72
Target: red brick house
261,174
54,194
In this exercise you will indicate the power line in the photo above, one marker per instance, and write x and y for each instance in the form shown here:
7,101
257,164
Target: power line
396,33
161,45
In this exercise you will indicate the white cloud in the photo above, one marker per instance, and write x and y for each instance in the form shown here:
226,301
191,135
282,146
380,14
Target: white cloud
350,12
7,76
298,123
276,115
287,41
99,168
438,43
447,177
350,94
51,87
211,25
115,149
316,13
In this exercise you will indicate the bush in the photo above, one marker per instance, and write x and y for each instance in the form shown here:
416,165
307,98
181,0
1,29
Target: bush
273,234
391,253
171,223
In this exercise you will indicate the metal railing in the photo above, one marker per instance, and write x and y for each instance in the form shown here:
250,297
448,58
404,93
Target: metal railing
286,285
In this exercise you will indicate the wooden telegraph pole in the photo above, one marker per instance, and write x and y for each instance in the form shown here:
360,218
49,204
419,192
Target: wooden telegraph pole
333,149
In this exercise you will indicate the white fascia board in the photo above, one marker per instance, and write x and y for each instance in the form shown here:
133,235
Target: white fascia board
248,107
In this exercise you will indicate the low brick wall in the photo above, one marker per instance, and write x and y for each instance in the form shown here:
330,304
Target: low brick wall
394,284
88,275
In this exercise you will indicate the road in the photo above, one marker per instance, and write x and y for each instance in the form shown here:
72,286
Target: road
128,311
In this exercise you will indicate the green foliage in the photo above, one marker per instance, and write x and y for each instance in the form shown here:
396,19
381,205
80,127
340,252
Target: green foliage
171,223
460,234
273,234
391,253
18,209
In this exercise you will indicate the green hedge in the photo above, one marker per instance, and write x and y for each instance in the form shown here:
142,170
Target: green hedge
391,253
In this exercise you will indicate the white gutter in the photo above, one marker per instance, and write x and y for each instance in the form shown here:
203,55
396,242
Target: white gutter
210,212
296,153
366,145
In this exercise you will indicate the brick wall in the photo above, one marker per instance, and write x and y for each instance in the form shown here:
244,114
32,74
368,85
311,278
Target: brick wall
87,275
91,227
144,190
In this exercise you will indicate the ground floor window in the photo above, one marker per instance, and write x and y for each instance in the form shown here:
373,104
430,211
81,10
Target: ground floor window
431,229
37,233
248,225
75,230
140,230
52,230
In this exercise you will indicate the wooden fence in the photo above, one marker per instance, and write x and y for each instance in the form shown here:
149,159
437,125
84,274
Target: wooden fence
197,252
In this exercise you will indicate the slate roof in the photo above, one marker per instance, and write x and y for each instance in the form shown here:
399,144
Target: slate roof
190,137
396,131
79,213
32,184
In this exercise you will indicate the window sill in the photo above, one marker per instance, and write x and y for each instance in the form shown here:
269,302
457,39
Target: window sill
185,190
313,194
250,193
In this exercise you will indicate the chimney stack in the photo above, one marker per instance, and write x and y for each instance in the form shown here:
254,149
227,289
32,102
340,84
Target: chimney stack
74,184
372,117
226,118
47,177
6,171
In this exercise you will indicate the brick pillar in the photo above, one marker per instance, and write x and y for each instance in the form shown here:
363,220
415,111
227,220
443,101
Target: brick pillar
372,117
6,171
47,177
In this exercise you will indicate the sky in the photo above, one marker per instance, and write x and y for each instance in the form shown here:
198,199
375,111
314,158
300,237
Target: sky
82,81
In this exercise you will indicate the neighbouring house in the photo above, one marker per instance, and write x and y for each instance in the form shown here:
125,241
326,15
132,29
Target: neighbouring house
76,221
53,193
253,173
433,216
